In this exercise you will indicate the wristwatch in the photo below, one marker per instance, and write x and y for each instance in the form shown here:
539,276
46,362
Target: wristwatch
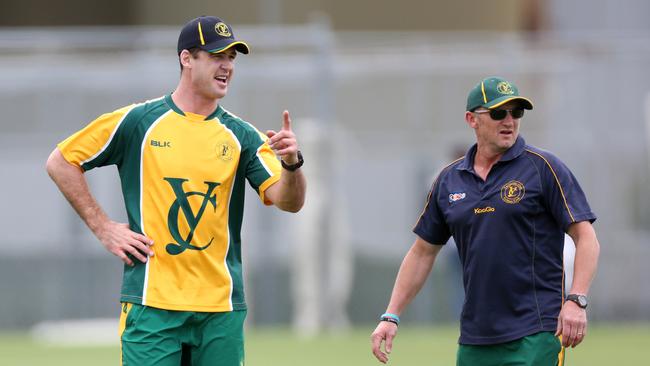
293,167
581,300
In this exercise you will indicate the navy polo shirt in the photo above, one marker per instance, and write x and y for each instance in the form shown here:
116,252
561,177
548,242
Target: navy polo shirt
509,231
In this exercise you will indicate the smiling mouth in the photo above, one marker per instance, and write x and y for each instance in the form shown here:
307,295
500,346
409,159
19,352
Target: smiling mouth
222,79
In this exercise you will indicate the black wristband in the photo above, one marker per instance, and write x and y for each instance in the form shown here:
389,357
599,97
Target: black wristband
295,166
389,319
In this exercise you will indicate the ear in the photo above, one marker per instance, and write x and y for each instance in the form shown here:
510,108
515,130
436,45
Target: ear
471,119
185,58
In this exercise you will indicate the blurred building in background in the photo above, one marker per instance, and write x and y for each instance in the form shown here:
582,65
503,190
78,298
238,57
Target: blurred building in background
377,92
364,15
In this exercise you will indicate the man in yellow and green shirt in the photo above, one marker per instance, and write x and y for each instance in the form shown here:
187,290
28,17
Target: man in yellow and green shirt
183,161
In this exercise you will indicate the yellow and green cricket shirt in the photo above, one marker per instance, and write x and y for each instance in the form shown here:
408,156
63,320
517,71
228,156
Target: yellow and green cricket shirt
183,180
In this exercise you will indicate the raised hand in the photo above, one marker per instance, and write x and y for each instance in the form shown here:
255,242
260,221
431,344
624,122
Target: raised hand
284,141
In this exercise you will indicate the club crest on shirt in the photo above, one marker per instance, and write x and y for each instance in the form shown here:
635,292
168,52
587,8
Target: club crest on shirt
225,151
512,192
457,196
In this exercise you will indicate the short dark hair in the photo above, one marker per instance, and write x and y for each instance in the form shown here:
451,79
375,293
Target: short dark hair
194,51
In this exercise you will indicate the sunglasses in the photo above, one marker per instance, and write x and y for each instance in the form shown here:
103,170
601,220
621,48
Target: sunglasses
499,114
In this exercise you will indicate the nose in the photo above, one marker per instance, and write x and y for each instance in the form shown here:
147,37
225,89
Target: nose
226,64
508,120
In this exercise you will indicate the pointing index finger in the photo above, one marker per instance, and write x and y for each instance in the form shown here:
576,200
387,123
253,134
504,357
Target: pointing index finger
286,121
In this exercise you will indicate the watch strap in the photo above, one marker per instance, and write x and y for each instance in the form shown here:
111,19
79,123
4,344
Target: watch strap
293,167
580,300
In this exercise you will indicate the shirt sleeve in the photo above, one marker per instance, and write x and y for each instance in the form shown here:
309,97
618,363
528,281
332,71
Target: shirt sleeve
563,195
263,167
431,226
95,145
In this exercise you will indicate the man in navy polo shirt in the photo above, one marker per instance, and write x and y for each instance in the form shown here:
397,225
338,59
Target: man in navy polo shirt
507,205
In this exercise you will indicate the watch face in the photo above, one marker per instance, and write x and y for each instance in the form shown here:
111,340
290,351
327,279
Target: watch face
582,300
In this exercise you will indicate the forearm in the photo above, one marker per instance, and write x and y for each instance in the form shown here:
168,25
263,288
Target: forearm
584,267
72,183
586,259
412,275
288,194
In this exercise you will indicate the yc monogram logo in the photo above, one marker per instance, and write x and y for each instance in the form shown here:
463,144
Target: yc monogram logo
182,204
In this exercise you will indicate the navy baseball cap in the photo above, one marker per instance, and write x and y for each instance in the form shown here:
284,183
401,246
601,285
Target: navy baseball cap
209,34
493,92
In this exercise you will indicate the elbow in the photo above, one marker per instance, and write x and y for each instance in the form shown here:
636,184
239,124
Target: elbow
288,199
56,166
294,207
50,165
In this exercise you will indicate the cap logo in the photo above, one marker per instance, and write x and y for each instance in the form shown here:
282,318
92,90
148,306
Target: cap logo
222,29
504,87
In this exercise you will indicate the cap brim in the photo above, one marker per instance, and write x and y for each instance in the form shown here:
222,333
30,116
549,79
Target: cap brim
527,104
239,46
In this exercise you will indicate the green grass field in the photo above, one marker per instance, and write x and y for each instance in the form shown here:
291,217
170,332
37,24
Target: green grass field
605,345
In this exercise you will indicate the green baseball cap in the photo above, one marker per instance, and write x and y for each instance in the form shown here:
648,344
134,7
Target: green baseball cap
493,92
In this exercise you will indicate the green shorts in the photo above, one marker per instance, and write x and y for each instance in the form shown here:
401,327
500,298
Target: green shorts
541,349
151,336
